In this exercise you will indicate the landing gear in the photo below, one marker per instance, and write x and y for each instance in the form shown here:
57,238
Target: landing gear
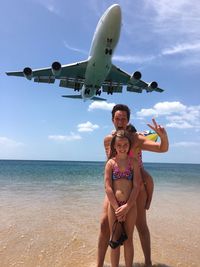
110,90
87,91
98,92
108,51
77,86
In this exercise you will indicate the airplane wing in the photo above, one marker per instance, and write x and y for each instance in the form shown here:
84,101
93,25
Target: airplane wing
70,76
138,85
160,90
73,76
117,78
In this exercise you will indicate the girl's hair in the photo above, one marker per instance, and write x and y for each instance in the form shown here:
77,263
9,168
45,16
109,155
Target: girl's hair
119,134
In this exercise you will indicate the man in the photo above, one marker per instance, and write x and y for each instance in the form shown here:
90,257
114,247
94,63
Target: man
120,119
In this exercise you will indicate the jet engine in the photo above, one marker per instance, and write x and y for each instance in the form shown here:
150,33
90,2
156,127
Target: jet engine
56,68
27,73
136,76
153,85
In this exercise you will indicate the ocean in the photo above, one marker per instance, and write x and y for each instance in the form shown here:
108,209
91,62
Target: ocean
50,212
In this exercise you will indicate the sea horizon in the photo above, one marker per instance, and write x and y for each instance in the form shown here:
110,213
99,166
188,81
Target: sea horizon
100,161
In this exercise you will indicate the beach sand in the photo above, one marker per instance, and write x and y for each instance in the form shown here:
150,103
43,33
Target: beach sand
49,228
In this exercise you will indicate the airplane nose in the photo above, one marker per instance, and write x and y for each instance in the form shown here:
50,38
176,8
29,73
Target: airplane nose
115,10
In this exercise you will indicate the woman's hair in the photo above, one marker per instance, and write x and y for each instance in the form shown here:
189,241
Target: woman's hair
119,134
130,128
121,107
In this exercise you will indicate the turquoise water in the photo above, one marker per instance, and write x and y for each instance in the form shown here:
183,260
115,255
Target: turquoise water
84,180
175,173
84,173
28,170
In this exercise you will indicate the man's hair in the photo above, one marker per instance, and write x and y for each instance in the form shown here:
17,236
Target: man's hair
121,107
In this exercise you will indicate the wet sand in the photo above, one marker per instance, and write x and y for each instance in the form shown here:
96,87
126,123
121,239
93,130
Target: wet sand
50,228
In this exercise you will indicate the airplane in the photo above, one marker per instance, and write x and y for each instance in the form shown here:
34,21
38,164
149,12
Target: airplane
97,73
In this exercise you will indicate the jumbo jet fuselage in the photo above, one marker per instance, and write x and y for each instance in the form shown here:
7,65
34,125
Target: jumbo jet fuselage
104,41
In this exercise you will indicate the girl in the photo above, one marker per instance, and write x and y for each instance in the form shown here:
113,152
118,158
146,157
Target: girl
122,183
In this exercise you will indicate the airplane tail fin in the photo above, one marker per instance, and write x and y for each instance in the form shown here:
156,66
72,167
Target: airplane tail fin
98,98
80,97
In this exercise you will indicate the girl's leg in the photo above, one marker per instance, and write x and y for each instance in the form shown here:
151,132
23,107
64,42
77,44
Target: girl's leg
114,253
114,257
128,244
149,186
141,224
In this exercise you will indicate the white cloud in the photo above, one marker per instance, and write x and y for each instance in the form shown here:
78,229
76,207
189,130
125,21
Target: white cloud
133,59
176,25
146,112
182,48
101,105
185,144
75,49
52,9
169,107
87,127
179,124
162,108
184,14
50,5
65,138
176,114
9,143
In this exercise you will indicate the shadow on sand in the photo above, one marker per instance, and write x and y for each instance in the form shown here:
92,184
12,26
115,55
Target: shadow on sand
142,265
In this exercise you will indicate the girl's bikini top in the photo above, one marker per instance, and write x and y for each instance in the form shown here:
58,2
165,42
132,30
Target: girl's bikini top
127,174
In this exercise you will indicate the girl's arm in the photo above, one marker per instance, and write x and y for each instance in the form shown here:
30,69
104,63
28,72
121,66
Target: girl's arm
108,185
149,145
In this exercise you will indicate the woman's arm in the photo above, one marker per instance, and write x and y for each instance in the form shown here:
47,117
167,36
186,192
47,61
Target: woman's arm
149,145
136,184
137,180
108,185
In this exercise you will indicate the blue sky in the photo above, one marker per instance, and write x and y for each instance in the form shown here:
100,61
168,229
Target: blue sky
159,38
